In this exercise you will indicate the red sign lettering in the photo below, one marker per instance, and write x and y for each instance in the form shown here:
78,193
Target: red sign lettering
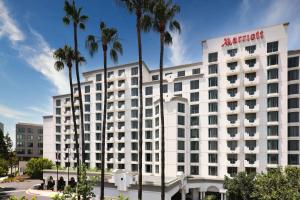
243,38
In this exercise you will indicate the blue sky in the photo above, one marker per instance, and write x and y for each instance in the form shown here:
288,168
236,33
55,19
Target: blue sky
30,30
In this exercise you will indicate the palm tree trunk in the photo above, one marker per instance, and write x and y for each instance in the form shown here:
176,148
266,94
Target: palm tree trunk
103,126
140,176
80,96
161,101
74,119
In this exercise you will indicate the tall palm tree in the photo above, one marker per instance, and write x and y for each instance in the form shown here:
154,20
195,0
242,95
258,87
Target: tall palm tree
65,57
73,14
108,39
164,12
143,23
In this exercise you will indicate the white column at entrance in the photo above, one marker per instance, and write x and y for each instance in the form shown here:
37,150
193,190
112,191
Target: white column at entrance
182,194
222,196
195,194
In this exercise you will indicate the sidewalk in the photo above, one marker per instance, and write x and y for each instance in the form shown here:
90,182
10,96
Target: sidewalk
44,193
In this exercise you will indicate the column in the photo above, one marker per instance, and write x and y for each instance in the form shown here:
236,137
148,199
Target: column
195,193
182,194
222,196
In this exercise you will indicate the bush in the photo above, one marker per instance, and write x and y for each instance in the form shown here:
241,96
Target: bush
35,166
3,167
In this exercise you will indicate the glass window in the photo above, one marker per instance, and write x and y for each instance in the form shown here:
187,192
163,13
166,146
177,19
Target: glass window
272,88
293,103
180,145
195,121
194,170
213,94
194,109
148,101
232,65
180,73
213,158
212,119
181,120
181,107
272,60
272,74
293,117
177,87
134,81
272,158
213,69
213,81
293,145
180,157
194,96
134,71
293,159
149,90
213,171
194,84
272,130
293,62
293,75
194,158
293,89
180,132
196,71
272,47
213,107
87,89
273,116
212,132
212,145
232,52
165,88
272,102
134,91
155,77
194,133
213,57
194,145
251,49
98,77
293,131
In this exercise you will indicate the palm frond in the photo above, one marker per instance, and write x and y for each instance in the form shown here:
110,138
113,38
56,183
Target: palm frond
59,65
82,26
114,55
146,23
117,46
168,38
83,18
175,26
66,20
102,25
91,44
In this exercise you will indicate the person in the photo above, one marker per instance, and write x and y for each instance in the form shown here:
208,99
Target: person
50,184
61,184
72,182
42,186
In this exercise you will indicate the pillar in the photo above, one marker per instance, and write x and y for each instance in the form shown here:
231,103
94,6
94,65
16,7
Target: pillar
195,193
182,194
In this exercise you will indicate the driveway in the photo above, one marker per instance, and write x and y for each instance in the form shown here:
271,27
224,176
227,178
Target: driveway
19,189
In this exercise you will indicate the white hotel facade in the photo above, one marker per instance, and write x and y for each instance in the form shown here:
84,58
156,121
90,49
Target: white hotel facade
237,110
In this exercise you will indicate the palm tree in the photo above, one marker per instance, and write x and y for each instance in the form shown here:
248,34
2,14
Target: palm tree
73,14
143,23
164,12
65,57
108,39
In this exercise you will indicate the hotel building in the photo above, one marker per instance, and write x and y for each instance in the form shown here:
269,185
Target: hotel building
237,110
29,141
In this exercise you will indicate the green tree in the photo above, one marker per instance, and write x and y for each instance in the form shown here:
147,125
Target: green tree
108,39
3,167
143,23
277,184
12,157
66,56
240,187
35,166
164,12
74,16
3,146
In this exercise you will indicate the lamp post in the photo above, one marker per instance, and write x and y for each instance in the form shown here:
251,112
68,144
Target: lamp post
57,162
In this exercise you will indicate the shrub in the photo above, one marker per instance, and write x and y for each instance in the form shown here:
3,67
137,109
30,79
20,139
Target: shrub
3,167
35,166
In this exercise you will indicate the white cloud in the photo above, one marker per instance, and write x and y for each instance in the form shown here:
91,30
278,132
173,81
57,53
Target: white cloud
8,27
11,113
38,54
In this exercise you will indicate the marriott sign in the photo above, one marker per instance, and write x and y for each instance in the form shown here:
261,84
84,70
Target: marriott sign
243,38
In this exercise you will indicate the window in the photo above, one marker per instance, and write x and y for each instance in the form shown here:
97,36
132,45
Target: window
212,119
251,131
272,74
232,118
213,57
272,102
232,171
58,102
134,71
148,101
155,77
194,158
293,159
194,96
232,65
272,130
87,108
194,133
134,81
272,47
149,112
212,81
293,103
134,91
232,52
272,60
196,71
213,171
293,145
87,89
293,75
250,62
165,88
148,168
180,157
121,72
194,145
180,168
149,90
232,144
98,77
194,170
194,84
251,49
293,117
272,88
180,145
251,158
213,69
148,123
232,79
213,145
251,144
134,124
293,89
251,103
293,62
177,87
168,73
233,91
98,97
232,131
180,132
273,145
272,158
180,73
213,132
180,120
87,98
213,94
195,121
181,107
194,109
250,76
213,107
273,116
213,158
134,103
293,131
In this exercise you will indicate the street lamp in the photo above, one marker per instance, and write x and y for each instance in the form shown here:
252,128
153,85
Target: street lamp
57,163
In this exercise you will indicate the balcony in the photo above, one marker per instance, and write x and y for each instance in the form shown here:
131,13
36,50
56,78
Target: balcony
67,104
235,123
232,150
111,98
110,88
251,123
110,129
76,103
251,109
233,84
122,118
253,95
233,70
121,129
122,107
251,164
231,97
248,82
111,108
111,77
121,97
252,150
110,150
122,139
253,68
232,163
121,87
67,113
232,110
110,119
